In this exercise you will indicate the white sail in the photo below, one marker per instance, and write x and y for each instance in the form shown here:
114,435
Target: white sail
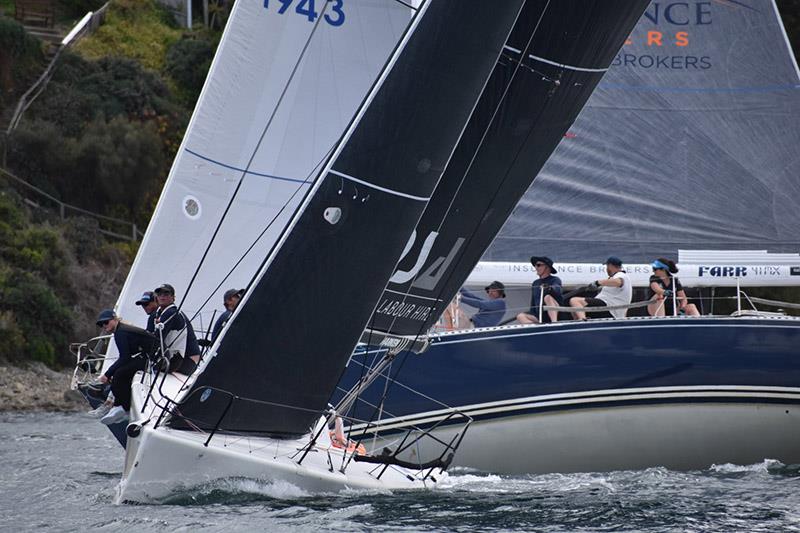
280,92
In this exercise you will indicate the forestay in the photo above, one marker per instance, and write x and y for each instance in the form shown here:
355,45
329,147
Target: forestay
283,87
290,338
552,61
690,142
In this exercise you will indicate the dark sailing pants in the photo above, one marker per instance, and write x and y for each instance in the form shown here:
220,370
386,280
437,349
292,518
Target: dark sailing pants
121,382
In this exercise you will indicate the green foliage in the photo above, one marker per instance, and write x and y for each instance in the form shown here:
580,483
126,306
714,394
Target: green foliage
20,56
34,323
37,323
137,29
81,91
187,62
14,40
114,163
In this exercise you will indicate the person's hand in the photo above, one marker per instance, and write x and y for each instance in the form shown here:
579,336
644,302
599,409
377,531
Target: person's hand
594,285
103,379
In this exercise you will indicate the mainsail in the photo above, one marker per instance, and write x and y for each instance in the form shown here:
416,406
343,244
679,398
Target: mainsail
280,358
689,143
281,91
551,63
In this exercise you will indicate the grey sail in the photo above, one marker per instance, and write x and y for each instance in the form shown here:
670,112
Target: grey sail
689,142
287,344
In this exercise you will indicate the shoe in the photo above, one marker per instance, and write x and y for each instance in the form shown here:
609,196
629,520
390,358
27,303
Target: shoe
100,411
115,415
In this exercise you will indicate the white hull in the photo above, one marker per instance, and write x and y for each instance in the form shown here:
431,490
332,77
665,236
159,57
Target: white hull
684,436
161,461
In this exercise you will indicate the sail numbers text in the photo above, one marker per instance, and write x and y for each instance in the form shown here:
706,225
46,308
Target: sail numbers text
335,16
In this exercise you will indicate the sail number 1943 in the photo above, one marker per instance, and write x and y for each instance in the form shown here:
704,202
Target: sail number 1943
335,17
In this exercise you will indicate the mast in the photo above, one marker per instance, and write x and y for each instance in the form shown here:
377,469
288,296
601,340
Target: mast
552,62
291,336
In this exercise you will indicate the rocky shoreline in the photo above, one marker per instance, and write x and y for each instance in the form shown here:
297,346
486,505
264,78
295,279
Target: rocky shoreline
35,387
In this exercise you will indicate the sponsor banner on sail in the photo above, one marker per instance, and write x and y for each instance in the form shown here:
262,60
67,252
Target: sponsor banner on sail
554,58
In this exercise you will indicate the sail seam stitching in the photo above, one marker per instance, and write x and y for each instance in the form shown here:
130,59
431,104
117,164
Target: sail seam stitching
379,188
568,67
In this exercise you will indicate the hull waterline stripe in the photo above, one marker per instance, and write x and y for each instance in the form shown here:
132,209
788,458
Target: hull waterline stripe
249,172
379,188
516,408
568,67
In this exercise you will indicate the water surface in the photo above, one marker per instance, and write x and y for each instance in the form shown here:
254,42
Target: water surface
59,471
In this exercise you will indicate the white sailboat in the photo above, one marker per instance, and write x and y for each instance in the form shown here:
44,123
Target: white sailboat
317,141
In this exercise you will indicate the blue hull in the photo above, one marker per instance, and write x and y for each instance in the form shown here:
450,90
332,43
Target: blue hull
596,364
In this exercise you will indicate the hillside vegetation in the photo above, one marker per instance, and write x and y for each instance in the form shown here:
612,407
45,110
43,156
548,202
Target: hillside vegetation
102,137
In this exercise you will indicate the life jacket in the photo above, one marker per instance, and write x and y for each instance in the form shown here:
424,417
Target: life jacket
174,340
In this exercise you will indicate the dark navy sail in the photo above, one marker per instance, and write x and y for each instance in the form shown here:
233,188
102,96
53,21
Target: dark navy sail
290,339
554,58
690,142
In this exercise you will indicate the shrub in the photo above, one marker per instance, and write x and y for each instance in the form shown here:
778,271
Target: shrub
137,29
81,91
20,55
187,62
34,311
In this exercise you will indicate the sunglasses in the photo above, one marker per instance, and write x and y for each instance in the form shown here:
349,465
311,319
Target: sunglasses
104,323
540,264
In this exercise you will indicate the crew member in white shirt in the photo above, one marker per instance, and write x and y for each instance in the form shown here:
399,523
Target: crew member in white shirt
614,290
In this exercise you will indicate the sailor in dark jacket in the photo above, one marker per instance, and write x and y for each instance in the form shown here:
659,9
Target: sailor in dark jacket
230,300
170,324
134,345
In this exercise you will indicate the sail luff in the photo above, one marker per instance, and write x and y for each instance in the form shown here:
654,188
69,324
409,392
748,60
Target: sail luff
296,329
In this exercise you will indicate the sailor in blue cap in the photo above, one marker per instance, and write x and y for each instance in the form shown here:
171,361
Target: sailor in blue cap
149,305
134,346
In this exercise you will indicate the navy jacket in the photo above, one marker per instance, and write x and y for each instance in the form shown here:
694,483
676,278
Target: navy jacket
130,341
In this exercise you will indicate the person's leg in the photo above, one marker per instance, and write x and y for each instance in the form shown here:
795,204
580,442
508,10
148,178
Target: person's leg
122,380
691,310
579,303
656,308
463,321
527,318
550,301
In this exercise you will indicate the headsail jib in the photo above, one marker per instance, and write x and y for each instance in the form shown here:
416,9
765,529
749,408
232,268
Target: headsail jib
555,56
287,344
